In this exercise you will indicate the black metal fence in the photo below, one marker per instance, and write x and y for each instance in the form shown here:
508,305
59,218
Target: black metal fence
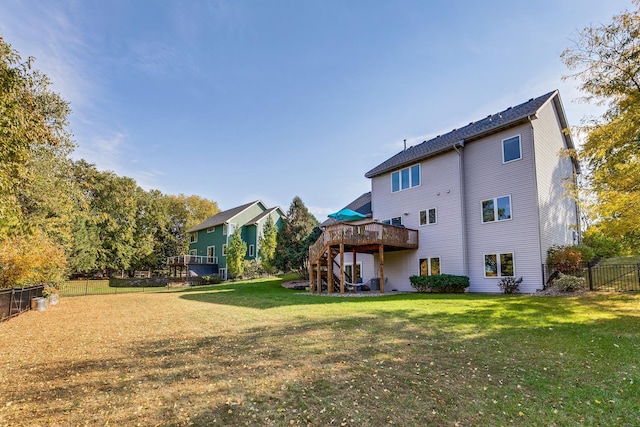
14,301
598,277
72,288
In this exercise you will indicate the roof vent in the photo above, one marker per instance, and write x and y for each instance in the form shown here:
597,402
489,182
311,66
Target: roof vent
531,100
470,123
509,108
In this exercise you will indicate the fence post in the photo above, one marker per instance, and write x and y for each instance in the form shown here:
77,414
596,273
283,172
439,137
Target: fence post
13,292
86,288
589,277
544,282
638,266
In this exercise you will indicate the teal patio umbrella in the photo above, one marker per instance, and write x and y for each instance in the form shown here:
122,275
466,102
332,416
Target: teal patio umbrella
347,215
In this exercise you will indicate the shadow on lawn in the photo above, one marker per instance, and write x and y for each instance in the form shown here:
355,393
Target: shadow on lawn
412,369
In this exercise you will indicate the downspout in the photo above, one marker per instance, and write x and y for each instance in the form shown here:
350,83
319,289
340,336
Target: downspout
463,220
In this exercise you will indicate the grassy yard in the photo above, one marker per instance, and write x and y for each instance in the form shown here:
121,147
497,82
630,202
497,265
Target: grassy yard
257,354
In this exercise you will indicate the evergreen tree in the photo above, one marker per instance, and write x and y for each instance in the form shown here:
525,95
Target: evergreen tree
236,251
268,243
292,249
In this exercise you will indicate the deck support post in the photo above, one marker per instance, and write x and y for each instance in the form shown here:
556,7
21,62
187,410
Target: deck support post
312,283
329,270
354,276
342,268
381,249
319,277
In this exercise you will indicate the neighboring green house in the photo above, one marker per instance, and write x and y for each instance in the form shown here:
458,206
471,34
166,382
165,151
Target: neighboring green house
208,240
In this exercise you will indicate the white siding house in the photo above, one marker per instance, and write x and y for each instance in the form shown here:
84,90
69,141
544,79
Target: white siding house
487,199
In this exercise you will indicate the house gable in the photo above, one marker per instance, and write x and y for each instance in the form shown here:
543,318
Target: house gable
509,164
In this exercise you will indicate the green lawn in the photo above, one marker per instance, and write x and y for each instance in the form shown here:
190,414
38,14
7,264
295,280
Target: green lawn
257,354
623,259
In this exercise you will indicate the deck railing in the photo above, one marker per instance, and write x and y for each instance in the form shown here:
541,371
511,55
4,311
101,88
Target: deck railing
191,259
372,233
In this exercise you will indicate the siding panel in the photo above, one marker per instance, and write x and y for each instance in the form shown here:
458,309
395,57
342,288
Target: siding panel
558,214
439,189
486,177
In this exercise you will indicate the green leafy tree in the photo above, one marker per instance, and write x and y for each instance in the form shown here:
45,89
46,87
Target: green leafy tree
33,120
236,251
292,249
606,60
268,242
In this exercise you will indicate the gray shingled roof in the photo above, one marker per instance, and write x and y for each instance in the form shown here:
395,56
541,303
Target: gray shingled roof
493,123
361,205
221,217
263,214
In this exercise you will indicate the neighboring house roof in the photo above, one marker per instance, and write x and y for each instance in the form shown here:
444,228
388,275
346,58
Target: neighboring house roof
264,214
361,205
510,117
221,217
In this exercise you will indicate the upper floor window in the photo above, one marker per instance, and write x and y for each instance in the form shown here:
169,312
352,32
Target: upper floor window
211,229
511,149
405,178
498,209
193,237
428,217
251,250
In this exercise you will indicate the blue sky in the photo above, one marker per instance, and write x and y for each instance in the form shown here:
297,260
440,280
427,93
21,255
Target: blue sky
237,100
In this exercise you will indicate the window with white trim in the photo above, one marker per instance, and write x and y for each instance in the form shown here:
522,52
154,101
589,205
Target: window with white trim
511,149
428,217
193,237
499,265
224,249
405,178
498,209
211,229
393,221
251,250
430,266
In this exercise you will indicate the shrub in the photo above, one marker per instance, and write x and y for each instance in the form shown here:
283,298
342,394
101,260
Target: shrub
252,269
510,285
567,283
603,246
565,259
213,279
441,283
588,254
30,260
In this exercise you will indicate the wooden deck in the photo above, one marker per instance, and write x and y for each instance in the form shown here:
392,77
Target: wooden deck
181,260
365,238
371,237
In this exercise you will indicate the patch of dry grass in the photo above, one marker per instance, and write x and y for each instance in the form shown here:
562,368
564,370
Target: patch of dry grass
257,354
